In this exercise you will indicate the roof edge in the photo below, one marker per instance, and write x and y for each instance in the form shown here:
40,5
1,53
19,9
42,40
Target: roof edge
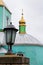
6,8
29,44
24,44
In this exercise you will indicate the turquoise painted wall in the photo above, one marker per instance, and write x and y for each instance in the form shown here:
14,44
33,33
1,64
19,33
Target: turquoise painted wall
4,13
1,17
7,14
35,53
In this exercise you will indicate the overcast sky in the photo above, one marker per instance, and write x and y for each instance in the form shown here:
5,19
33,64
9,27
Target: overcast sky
33,15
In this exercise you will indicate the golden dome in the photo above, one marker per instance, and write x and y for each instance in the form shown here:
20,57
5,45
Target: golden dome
2,3
22,18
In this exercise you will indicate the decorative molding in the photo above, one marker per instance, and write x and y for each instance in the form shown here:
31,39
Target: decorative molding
22,24
22,32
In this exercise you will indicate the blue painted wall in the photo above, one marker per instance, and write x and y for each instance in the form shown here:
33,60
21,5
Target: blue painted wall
1,17
7,14
4,13
35,53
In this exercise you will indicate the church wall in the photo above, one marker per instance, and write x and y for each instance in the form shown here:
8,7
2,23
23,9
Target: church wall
28,51
39,57
35,53
6,15
1,17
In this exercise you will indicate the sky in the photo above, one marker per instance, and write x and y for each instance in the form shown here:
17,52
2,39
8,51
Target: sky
33,15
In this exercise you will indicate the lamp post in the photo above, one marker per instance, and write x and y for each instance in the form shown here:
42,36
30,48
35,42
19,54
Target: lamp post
10,34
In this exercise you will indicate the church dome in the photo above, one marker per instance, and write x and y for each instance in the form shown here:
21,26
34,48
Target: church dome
25,39
22,18
2,3
22,37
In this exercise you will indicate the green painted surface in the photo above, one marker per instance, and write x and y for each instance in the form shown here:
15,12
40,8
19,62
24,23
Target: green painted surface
4,13
1,17
22,29
1,30
9,16
35,53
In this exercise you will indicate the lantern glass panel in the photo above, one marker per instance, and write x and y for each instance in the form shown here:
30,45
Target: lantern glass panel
5,32
13,36
8,36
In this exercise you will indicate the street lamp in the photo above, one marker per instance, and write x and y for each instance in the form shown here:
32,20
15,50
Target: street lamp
10,34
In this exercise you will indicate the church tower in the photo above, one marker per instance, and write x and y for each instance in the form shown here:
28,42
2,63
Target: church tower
5,15
22,25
